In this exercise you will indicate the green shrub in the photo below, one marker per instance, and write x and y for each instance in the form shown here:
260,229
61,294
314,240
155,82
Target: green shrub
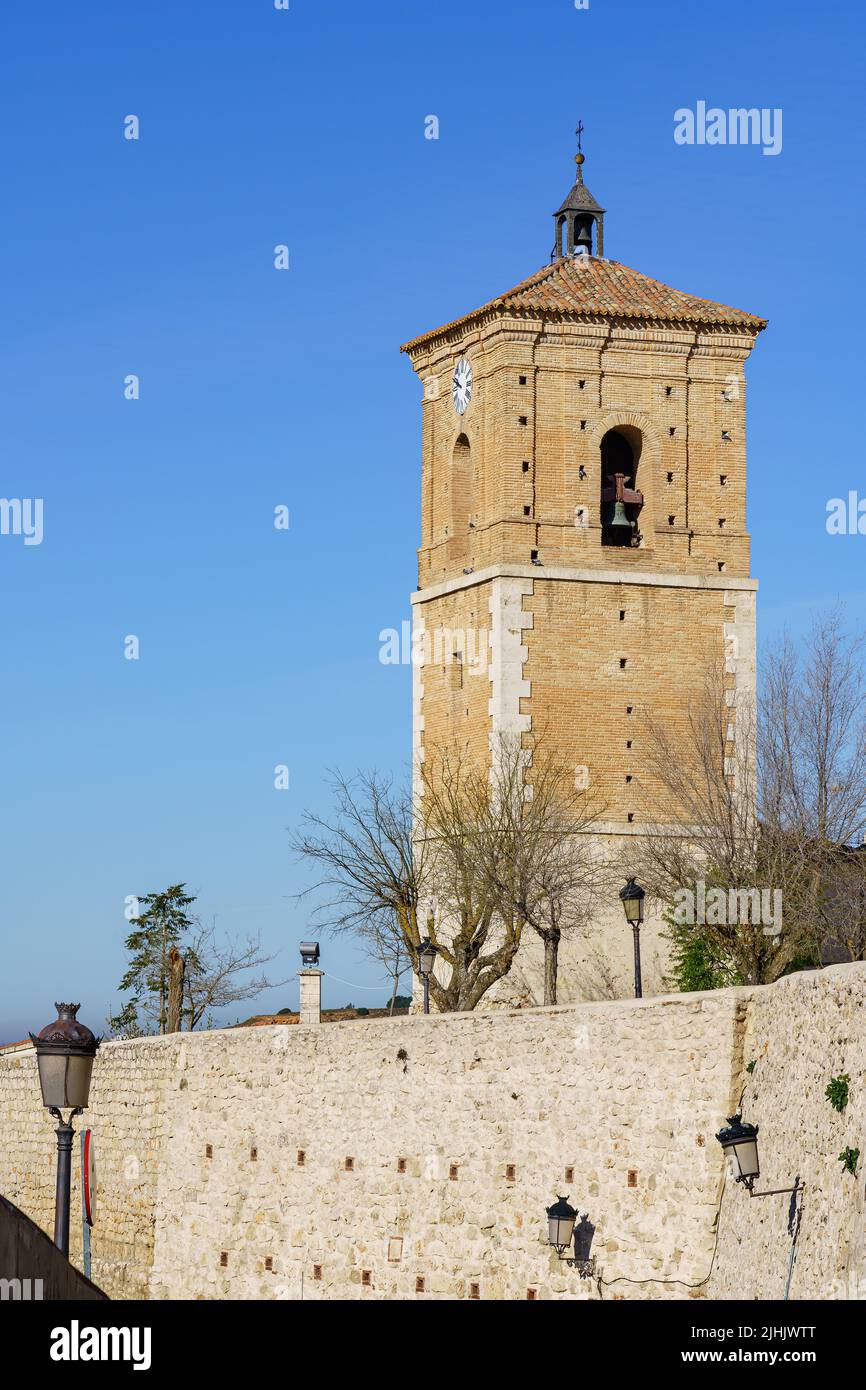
849,1158
695,963
837,1091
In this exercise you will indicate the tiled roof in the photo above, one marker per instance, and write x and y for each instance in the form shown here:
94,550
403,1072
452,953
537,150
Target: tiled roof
581,199
328,1016
587,285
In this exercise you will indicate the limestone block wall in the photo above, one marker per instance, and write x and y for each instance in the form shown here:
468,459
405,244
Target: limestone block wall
801,1032
413,1157
127,1114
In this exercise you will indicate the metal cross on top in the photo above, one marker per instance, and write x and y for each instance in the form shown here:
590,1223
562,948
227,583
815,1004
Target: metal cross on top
578,133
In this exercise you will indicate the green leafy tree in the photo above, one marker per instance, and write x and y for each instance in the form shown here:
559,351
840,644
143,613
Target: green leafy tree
162,924
697,962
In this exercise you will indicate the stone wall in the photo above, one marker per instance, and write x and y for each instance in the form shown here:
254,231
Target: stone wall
32,1267
800,1033
353,1160
128,1114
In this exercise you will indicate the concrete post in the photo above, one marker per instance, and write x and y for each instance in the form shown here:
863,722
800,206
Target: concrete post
311,995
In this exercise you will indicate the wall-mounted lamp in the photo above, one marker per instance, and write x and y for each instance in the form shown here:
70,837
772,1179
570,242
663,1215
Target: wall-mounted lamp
309,954
560,1232
740,1146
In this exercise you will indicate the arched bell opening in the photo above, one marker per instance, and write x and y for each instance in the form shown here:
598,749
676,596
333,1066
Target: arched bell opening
620,500
561,238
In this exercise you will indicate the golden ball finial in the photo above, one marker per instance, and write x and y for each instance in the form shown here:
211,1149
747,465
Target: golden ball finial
579,158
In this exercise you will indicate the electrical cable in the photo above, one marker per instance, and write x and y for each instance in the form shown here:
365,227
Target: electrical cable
623,1279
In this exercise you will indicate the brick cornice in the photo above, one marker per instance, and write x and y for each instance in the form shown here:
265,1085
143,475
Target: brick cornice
644,578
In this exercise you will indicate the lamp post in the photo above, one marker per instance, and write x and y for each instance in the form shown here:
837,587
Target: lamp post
65,1050
427,954
631,897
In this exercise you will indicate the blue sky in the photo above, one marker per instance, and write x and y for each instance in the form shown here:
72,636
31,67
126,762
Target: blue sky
261,387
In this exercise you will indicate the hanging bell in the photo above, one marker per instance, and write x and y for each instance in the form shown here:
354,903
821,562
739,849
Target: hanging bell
620,522
583,240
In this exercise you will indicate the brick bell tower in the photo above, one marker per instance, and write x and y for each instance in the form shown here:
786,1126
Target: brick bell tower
584,553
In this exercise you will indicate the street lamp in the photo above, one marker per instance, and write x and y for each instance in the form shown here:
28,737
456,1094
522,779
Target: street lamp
560,1225
631,897
560,1232
427,954
740,1146
65,1050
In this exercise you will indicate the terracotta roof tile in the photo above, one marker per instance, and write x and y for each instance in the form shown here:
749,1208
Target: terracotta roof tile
589,286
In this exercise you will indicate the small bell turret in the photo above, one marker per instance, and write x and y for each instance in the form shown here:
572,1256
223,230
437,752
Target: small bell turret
575,220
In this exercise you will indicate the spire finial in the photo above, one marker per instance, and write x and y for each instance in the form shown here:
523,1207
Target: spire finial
580,156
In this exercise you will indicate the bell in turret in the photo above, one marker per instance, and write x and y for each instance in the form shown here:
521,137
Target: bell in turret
619,522
583,237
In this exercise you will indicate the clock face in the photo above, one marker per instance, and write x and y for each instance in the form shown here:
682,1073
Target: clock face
461,385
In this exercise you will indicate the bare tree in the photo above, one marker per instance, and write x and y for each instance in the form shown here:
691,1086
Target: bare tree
814,734
216,978
769,798
545,870
812,757
381,861
480,844
844,907
382,942
704,828
370,874
463,827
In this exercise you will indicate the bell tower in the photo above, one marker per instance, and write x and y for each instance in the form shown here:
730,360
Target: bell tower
584,554
579,216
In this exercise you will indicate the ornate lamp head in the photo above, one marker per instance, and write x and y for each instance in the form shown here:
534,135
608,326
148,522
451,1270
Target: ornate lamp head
65,1050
